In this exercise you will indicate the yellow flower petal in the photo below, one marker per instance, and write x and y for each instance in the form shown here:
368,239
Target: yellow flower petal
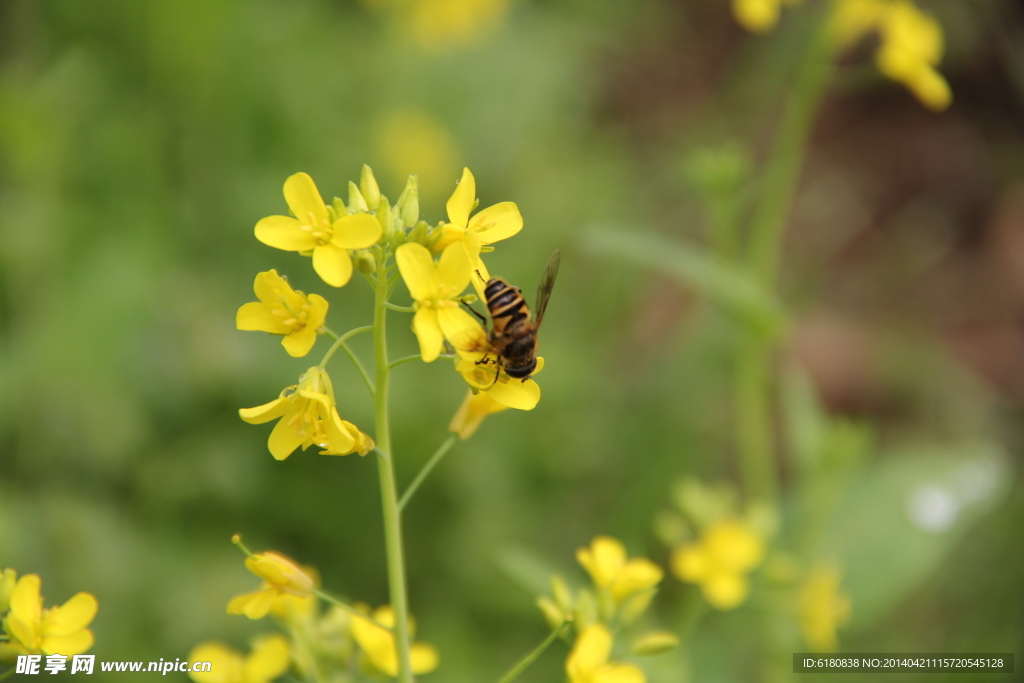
304,200
332,264
269,659
417,269
8,580
603,560
25,632
253,605
733,546
225,663
284,439
357,231
74,615
591,651
342,442
73,644
26,603
461,202
639,574
931,89
258,317
266,412
284,232
756,16
453,271
471,414
725,591
428,333
497,222
515,393
424,658
269,286
690,563
620,673
299,343
280,572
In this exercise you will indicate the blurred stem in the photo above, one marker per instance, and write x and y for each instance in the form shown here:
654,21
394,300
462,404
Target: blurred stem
7,674
385,465
529,659
427,469
779,181
327,597
753,419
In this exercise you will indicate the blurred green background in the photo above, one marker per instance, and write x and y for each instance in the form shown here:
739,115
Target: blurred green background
141,141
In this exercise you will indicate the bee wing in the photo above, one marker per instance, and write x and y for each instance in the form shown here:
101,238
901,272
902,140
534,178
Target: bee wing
547,283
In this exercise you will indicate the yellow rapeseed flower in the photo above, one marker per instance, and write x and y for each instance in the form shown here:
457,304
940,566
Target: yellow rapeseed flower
910,44
308,416
435,289
471,414
493,224
284,311
314,231
720,561
441,24
823,608
8,579
57,630
281,576
588,662
269,659
606,562
379,643
759,16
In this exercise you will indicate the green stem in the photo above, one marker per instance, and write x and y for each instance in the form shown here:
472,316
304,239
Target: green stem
403,361
339,343
427,469
400,309
348,608
7,674
783,171
532,657
388,492
753,420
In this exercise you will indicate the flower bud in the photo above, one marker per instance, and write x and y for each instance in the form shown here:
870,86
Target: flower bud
419,234
384,217
8,578
561,593
409,202
368,187
364,261
552,615
654,643
356,202
281,573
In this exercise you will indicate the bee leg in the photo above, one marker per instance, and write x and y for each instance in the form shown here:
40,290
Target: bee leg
497,373
474,312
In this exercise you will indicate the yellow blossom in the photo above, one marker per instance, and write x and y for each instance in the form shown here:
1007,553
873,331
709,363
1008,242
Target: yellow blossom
379,643
281,576
483,374
285,311
589,660
268,660
441,24
471,414
605,560
58,630
308,416
8,579
910,44
313,230
436,288
488,226
823,608
720,561
758,16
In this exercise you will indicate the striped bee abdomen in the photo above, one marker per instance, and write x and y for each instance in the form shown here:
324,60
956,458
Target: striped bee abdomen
505,304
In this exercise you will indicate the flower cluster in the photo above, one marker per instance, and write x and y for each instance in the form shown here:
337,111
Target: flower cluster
822,607
437,264
622,590
319,642
30,629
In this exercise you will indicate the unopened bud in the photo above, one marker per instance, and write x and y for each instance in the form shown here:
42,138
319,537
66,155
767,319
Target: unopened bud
563,598
368,187
384,217
552,615
364,261
356,202
654,643
409,202
419,233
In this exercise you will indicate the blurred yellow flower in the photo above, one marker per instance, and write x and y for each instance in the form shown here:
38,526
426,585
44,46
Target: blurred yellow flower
439,24
823,608
606,562
58,630
910,47
8,579
268,660
436,289
281,576
720,561
308,416
588,660
285,311
471,414
411,141
759,16
379,643
315,231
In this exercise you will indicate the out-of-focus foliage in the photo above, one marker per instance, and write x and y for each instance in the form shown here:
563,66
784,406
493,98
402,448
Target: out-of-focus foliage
141,142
